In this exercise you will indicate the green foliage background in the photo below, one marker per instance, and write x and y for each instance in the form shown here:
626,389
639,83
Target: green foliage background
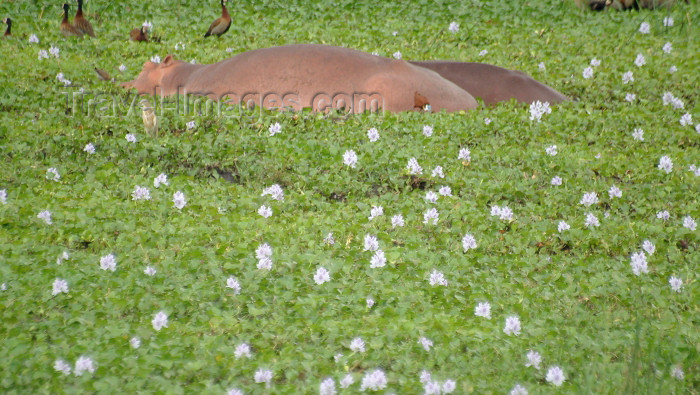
580,305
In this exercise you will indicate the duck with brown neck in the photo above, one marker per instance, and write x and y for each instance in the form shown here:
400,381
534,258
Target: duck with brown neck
221,24
82,24
67,29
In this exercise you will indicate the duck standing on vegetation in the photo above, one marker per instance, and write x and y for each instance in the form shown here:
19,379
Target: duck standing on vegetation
221,24
103,75
8,32
139,34
81,23
66,28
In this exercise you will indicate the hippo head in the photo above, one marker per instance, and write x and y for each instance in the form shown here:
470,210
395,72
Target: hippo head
152,77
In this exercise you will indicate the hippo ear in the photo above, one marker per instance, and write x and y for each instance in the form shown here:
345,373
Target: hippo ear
168,61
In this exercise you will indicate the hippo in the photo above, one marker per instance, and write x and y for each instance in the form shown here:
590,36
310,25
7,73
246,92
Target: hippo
494,84
300,76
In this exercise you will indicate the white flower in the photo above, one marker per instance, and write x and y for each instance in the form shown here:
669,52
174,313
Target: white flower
233,283
468,242
587,73
677,373
33,39
357,345
667,48
191,125
130,138
149,271
638,134
59,286
614,192
275,192
375,212
555,376
427,130
591,220
155,59
374,380
512,326
431,215
487,121
663,215
413,167
538,108
562,226
649,247
431,197
675,283
370,302
122,68
140,193
644,28
161,179
180,45
263,376
274,129
483,52
689,222
454,27
630,97
464,154
234,391
437,278
346,381
518,390
3,196
337,357
595,62
62,366
697,127
264,264
437,172
350,158
638,262
371,243
378,260
449,386
242,350
373,135
589,199
668,21
329,239
265,211
426,343
640,60
432,388
43,54
627,77
397,220
135,342
541,66
533,359
322,275
263,251
665,164
89,148
445,191
160,320
179,200
672,69
504,213
327,387
483,309
556,181
425,377
63,257
54,51
686,119
108,262
83,364
229,50
397,55
551,150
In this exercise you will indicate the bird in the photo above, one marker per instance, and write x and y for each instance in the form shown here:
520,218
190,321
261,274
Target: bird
102,74
221,24
8,32
66,28
139,34
150,121
81,23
